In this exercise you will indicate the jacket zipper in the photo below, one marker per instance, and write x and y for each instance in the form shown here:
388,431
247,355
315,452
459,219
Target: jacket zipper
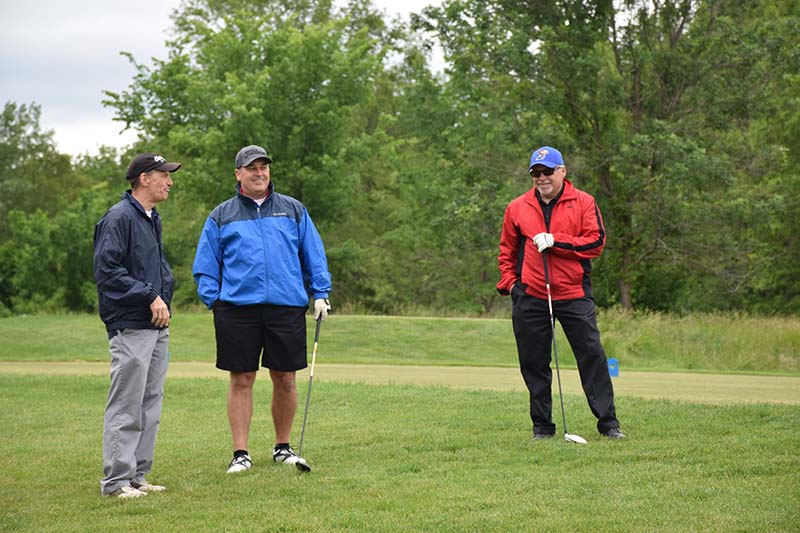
264,249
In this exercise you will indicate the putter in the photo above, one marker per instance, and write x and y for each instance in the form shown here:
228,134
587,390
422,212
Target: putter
567,437
301,463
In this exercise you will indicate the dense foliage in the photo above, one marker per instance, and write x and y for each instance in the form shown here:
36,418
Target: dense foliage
681,117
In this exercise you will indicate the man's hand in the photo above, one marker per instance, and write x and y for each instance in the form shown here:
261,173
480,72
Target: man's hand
160,313
543,241
321,308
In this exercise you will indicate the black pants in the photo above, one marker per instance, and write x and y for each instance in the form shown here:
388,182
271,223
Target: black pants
578,318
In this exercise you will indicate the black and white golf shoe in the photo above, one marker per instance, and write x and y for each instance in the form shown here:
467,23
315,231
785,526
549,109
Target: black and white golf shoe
240,463
285,455
288,457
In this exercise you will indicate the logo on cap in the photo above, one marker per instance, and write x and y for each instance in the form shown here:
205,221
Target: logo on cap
148,162
248,154
541,155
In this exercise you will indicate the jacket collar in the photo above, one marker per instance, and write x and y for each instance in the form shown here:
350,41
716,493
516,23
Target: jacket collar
249,201
568,193
128,195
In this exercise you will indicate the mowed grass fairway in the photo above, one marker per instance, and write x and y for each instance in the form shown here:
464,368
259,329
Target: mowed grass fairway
706,343
399,457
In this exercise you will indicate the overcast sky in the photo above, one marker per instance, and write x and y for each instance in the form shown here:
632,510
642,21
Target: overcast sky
62,55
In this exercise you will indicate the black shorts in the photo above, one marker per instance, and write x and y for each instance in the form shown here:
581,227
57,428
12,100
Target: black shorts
244,331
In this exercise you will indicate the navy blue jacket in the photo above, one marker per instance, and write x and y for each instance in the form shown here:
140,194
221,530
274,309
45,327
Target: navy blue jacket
269,254
130,266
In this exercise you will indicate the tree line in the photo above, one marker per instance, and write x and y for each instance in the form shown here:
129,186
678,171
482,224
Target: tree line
680,117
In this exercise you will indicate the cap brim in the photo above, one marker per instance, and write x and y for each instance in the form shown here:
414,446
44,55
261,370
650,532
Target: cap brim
254,158
168,167
543,164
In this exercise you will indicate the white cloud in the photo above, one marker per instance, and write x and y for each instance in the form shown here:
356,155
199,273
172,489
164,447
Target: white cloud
87,135
62,55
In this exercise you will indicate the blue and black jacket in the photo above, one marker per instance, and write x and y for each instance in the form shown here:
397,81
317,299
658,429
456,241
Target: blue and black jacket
269,254
130,266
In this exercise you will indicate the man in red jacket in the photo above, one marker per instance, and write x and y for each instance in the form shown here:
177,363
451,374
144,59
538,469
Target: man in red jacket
563,222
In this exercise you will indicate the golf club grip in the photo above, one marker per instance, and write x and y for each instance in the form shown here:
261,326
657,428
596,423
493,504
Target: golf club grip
547,286
314,351
316,334
546,276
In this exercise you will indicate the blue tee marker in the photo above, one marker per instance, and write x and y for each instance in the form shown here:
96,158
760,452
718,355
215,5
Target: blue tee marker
613,367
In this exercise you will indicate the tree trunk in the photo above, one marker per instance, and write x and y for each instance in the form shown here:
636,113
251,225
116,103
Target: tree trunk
625,294
624,281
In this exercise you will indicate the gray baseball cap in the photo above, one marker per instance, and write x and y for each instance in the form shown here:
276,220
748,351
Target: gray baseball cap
248,154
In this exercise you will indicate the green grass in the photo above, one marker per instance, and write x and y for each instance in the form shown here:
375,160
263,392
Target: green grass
708,343
397,458
409,458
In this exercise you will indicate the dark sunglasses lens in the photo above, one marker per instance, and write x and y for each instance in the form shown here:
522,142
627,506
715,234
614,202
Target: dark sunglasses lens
547,172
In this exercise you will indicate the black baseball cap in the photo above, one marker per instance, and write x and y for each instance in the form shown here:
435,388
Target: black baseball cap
147,162
248,154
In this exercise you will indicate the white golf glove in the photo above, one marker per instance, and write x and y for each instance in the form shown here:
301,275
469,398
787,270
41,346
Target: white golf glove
543,241
321,308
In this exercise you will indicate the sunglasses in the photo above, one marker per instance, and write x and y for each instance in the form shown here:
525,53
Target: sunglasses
547,172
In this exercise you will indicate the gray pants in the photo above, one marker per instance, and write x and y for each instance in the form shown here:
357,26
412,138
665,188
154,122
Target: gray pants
139,360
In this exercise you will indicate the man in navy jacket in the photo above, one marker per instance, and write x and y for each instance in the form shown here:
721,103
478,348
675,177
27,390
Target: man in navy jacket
134,289
258,259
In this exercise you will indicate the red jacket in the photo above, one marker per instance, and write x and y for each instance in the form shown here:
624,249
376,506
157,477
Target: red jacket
577,228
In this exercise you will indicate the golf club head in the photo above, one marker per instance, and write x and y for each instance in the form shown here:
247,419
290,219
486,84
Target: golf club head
301,465
577,439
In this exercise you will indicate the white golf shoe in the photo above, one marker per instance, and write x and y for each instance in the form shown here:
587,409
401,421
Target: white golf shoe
127,492
240,463
146,486
285,455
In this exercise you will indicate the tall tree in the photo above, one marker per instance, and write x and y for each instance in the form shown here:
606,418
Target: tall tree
287,75
32,172
639,95
300,79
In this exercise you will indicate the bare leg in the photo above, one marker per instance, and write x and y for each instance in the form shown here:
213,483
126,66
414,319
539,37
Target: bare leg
284,403
240,407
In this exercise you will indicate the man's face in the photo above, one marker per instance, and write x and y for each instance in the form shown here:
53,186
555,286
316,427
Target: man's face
254,178
548,186
159,184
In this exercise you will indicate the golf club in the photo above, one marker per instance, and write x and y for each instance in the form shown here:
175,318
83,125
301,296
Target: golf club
567,437
301,463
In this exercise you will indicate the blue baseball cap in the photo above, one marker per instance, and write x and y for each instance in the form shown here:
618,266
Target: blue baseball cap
546,156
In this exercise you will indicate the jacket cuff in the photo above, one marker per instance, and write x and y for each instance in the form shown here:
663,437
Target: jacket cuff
151,296
504,286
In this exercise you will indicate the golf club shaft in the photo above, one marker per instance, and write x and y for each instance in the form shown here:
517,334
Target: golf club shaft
553,331
310,381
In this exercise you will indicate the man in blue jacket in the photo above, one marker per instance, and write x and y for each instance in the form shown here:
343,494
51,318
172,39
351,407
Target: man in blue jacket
134,289
258,259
